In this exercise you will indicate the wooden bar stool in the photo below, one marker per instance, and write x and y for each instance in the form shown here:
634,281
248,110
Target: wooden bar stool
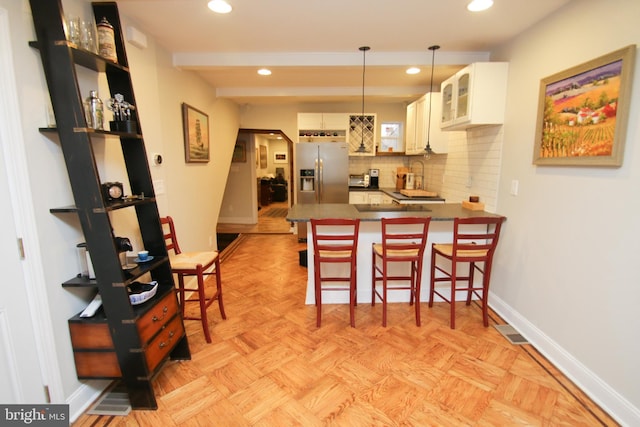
474,243
335,241
403,241
185,264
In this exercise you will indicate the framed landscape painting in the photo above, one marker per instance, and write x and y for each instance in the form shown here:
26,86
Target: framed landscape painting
195,125
583,112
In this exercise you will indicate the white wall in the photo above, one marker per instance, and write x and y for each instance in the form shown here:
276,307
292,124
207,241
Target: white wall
566,271
240,201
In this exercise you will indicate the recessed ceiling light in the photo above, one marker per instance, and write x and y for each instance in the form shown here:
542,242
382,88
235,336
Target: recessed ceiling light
413,70
264,72
219,6
479,5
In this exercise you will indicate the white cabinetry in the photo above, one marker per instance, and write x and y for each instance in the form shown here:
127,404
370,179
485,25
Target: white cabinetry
474,96
318,127
418,131
369,198
322,121
362,130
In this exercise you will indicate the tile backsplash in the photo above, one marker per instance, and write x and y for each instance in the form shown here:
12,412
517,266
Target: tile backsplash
471,167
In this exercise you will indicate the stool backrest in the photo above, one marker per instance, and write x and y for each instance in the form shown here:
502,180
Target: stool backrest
170,239
335,239
404,239
475,239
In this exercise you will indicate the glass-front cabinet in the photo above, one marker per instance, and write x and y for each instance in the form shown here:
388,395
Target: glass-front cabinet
474,96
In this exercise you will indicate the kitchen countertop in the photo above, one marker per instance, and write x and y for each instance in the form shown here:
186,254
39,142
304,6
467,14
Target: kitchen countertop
392,192
437,211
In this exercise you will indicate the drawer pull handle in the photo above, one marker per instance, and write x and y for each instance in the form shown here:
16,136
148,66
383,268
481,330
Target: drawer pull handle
165,309
166,343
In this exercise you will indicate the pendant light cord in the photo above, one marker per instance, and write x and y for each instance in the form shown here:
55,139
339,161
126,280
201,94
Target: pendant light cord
364,50
433,58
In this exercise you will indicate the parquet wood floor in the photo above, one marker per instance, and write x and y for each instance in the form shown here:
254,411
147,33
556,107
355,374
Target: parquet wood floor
265,225
269,365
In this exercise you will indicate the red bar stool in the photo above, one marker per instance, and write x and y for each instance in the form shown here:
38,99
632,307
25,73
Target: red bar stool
335,241
474,243
403,241
194,264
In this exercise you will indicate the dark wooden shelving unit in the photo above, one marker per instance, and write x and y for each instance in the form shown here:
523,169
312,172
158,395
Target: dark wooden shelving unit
122,340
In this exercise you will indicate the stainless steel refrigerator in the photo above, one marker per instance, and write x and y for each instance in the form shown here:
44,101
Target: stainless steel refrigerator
322,171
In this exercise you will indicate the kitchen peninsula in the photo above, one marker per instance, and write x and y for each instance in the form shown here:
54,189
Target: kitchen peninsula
440,231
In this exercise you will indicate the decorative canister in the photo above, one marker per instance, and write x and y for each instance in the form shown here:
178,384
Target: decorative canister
107,40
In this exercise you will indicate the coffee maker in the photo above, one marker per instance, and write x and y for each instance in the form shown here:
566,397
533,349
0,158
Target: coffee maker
374,176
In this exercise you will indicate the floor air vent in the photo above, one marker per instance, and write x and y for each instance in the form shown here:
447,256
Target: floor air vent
511,334
113,402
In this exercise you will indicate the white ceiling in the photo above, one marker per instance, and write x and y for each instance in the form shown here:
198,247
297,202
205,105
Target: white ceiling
311,46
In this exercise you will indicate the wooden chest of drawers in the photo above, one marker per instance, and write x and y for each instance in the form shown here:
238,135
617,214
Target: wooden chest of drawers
160,328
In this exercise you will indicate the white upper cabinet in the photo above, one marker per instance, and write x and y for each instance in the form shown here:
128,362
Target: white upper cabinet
322,121
474,96
319,127
418,129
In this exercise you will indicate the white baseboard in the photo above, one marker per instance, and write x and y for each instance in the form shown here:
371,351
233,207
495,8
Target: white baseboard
601,393
84,396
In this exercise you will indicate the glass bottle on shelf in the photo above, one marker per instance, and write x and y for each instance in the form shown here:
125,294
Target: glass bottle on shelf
94,111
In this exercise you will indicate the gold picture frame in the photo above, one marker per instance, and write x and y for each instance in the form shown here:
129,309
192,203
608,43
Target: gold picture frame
263,157
239,152
195,124
583,112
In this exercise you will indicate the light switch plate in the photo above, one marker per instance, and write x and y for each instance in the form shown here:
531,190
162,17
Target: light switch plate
514,187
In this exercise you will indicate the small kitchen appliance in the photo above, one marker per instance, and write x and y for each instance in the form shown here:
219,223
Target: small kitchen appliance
374,176
410,183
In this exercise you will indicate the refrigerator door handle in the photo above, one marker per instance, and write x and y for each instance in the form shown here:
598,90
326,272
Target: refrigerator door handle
316,178
321,181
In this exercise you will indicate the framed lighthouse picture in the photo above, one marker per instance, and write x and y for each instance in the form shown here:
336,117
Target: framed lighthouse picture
196,134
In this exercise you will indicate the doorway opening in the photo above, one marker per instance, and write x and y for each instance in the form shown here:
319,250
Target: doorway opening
259,189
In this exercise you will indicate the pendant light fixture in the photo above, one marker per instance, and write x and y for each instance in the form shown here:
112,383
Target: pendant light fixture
427,150
362,148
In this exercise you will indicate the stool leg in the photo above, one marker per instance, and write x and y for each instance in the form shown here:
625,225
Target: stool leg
453,295
181,293
352,298
472,268
432,282
416,291
373,277
203,305
384,296
318,294
219,289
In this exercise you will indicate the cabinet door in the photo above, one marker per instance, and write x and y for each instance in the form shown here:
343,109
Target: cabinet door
463,87
310,121
446,89
422,111
335,121
410,138
358,198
